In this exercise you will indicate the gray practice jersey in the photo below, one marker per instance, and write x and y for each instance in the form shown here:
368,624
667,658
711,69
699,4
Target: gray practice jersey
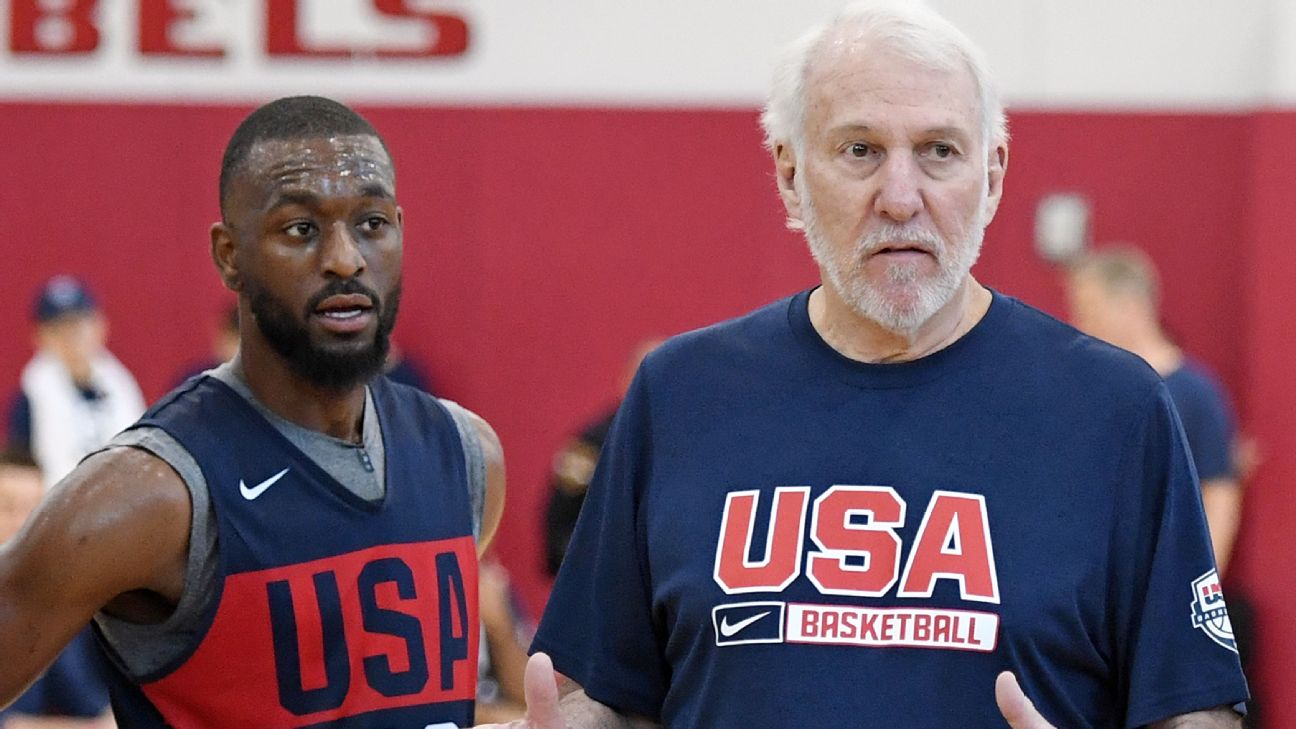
149,648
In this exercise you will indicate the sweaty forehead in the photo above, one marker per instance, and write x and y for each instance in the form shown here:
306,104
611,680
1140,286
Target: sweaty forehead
320,163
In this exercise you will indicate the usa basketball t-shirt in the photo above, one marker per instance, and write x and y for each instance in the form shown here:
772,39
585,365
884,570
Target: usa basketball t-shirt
778,536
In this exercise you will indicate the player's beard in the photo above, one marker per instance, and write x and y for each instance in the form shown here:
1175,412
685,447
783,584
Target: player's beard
924,296
330,368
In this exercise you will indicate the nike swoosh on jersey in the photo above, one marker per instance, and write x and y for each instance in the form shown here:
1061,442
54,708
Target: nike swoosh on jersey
255,491
728,630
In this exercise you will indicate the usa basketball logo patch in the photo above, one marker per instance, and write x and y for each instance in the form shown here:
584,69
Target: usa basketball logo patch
1209,612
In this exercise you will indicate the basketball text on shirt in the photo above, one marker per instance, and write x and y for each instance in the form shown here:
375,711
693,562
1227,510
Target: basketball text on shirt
858,554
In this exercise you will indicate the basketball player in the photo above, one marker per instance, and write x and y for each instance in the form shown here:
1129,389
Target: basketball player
288,540
857,506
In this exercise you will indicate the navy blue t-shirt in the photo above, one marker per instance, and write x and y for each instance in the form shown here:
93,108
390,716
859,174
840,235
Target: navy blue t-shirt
1207,419
778,536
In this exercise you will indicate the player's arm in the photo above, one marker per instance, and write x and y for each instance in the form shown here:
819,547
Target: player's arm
551,707
114,534
493,500
1222,500
1020,713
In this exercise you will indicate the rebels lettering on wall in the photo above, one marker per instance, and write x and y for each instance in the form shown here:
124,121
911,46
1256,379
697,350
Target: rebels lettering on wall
75,27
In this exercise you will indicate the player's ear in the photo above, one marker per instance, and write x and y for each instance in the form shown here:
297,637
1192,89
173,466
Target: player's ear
996,166
223,250
785,172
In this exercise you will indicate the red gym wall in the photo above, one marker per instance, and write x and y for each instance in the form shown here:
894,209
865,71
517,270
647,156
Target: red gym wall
543,244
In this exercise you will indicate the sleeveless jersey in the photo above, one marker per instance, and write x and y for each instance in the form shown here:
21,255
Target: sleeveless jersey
333,610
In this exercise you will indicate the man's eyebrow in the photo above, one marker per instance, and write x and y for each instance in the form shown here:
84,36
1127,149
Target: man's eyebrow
956,132
305,198
293,197
937,131
850,128
377,190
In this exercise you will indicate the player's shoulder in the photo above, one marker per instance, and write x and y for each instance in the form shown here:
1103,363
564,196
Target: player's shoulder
467,421
440,414
403,390
125,485
383,389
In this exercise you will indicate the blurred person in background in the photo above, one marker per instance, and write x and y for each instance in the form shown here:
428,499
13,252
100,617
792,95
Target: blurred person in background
74,394
401,367
224,345
573,467
1115,295
72,693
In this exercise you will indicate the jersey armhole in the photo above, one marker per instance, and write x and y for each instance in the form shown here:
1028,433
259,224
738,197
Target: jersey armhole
170,642
474,461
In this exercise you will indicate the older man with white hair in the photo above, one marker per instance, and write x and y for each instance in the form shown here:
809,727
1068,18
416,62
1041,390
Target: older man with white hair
859,505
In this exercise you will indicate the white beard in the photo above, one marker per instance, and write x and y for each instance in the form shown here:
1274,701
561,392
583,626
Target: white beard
924,297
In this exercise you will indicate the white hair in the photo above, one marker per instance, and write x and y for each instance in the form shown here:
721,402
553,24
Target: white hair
911,30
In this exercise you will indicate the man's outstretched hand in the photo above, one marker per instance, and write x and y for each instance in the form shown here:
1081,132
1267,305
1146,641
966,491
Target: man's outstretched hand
1013,704
541,689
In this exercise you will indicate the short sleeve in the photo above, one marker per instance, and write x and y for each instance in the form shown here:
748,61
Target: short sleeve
1208,423
598,624
1174,641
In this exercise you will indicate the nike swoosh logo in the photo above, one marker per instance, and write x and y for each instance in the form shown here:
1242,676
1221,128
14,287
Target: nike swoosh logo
255,491
728,630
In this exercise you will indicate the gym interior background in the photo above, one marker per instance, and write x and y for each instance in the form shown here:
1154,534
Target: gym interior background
578,176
